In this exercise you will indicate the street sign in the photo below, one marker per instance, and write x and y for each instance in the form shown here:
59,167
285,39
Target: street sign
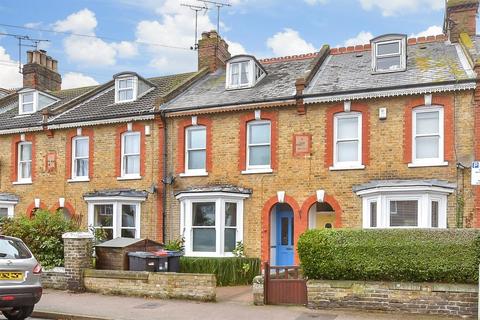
476,173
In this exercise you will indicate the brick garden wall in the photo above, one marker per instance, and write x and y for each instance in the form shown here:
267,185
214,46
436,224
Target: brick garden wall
157,285
54,279
421,298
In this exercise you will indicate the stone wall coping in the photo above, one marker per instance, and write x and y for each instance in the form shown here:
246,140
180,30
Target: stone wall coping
407,286
55,270
138,275
77,235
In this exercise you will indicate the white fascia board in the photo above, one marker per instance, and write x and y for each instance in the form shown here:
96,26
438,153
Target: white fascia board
114,199
404,189
98,122
210,195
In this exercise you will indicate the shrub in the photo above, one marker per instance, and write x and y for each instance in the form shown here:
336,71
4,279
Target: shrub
42,233
229,271
391,255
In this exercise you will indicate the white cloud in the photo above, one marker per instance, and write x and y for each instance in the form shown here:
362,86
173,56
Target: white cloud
235,48
362,38
76,80
9,77
394,7
430,31
90,51
289,42
314,2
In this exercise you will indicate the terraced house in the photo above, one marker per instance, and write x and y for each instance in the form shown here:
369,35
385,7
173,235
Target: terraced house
379,135
94,152
375,136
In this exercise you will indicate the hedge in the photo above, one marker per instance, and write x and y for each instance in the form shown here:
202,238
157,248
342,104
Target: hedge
229,271
449,256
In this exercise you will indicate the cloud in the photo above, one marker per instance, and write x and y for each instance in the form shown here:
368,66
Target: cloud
9,77
314,2
76,80
235,48
430,31
395,7
90,51
289,42
362,38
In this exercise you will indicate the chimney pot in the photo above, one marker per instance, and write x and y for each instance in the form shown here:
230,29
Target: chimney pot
40,72
212,51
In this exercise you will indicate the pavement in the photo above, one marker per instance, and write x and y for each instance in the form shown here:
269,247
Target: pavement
233,303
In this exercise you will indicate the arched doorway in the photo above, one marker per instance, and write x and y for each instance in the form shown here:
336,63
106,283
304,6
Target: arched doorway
282,235
321,216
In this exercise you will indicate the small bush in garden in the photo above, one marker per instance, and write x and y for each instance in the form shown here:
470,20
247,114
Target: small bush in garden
175,245
229,271
418,255
42,233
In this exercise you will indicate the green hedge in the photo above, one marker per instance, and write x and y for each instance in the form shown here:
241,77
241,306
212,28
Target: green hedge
229,271
391,255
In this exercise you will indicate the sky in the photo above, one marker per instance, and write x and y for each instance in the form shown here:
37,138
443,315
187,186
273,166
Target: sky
95,39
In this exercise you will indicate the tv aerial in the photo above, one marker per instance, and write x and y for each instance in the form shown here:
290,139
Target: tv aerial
24,41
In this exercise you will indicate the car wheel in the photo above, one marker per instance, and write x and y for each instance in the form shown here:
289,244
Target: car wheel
18,313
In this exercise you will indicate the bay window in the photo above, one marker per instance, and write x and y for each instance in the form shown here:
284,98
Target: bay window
428,136
211,223
131,155
24,162
347,140
259,145
196,150
80,157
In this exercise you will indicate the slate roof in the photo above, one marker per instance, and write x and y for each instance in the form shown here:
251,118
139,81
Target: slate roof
129,193
210,91
94,103
404,183
427,63
216,188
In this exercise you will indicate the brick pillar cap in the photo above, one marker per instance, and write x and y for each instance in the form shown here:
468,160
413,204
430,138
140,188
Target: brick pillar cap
77,235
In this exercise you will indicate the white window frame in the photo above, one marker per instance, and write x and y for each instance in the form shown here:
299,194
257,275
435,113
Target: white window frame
426,162
124,155
257,168
20,179
117,212
252,68
401,54
22,104
424,196
10,206
219,198
134,88
195,172
347,165
74,158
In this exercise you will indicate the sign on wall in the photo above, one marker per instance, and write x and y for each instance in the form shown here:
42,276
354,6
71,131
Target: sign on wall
302,144
476,173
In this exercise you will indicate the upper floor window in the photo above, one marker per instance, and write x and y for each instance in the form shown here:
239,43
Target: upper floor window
258,145
428,136
125,89
243,72
131,154
196,149
389,53
30,101
347,140
80,157
25,162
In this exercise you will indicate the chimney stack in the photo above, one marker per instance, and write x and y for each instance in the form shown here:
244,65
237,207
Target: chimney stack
461,17
212,51
41,72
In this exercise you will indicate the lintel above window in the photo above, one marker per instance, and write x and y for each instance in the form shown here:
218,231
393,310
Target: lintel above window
31,101
243,71
129,86
389,53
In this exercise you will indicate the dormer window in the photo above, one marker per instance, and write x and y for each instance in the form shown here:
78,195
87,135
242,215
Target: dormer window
389,53
243,72
31,101
125,89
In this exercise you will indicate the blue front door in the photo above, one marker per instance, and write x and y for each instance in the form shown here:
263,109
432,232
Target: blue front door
284,243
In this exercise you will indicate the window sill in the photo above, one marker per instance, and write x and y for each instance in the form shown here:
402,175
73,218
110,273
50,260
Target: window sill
78,180
16,183
194,174
257,171
339,168
432,164
209,254
129,178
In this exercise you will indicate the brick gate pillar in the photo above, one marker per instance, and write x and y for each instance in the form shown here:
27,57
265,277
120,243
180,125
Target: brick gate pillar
78,256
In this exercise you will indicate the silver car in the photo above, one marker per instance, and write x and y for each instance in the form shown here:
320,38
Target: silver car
20,287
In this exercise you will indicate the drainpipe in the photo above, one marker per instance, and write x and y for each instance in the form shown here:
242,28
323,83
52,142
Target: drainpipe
164,178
